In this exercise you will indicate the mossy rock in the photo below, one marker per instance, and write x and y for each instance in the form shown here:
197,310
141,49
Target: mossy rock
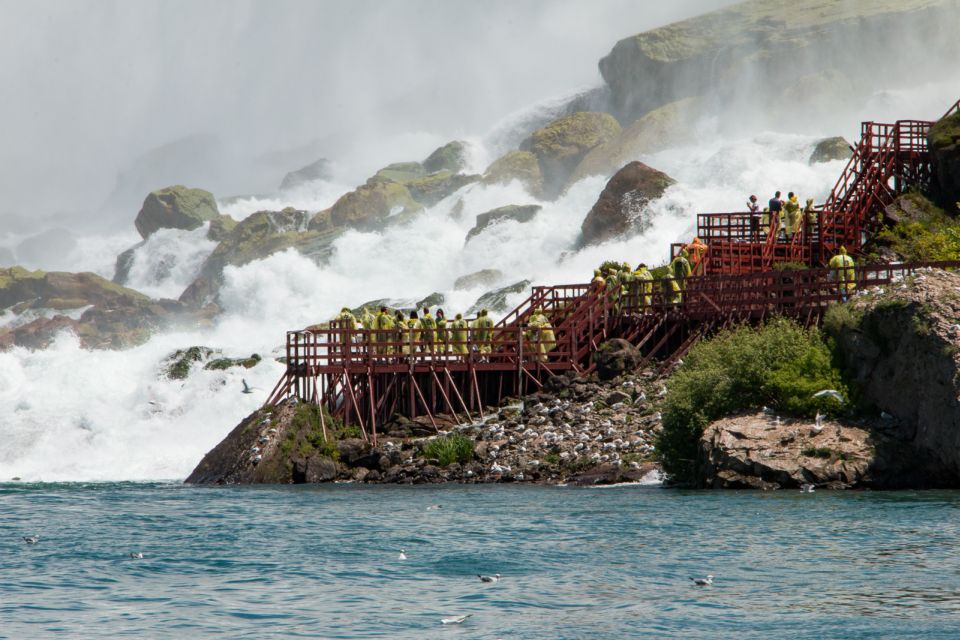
522,166
321,221
622,205
176,207
561,145
401,172
221,228
220,364
669,125
59,289
829,149
435,299
944,142
369,206
178,364
450,157
431,189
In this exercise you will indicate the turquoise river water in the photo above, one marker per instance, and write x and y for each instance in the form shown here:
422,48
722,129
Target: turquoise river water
323,562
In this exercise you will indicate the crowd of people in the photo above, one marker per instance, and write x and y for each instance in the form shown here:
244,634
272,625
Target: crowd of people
783,218
390,333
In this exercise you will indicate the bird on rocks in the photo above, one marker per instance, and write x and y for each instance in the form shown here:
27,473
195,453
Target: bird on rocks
494,578
703,582
403,555
136,555
31,539
455,619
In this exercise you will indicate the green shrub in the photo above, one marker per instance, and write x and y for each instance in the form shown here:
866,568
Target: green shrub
931,235
450,449
780,365
841,316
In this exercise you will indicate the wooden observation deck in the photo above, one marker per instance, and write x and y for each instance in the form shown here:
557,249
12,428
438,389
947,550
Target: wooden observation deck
364,377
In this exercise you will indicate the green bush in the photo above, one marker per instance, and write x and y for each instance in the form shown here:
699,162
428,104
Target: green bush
780,365
450,449
932,235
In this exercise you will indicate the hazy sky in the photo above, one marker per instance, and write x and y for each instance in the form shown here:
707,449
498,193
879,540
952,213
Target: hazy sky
90,84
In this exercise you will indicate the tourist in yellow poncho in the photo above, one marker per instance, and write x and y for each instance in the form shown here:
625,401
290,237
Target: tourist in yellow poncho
483,332
844,273
458,336
541,333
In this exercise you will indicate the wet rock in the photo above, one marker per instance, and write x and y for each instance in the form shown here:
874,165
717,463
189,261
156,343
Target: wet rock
828,149
354,452
484,277
616,357
516,165
616,397
518,213
621,206
318,170
175,207
450,157
496,301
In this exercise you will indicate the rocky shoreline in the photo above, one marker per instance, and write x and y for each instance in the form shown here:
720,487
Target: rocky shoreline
573,431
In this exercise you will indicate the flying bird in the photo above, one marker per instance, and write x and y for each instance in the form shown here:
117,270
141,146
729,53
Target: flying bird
247,388
703,582
494,578
829,393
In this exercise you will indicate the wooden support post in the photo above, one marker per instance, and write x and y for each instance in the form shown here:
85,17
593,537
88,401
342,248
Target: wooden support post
353,402
420,394
457,391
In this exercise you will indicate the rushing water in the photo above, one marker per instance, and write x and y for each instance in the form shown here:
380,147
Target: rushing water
576,563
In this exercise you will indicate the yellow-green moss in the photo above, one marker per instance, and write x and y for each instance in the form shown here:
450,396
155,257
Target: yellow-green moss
516,165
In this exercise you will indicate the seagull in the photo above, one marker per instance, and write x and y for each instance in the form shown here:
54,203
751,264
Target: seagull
402,556
31,539
829,393
642,397
136,555
776,421
768,410
455,619
807,488
247,388
703,582
494,578
433,507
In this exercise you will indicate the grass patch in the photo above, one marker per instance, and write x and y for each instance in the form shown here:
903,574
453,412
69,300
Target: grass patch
780,365
450,449
552,458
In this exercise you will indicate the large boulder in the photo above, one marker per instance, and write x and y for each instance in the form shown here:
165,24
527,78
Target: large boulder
370,205
516,165
450,157
944,141
518,213
750,53
431,189
622,203
258,236
561,145
319,170
616,357
759,451
667,126
175,207
61,290
828,149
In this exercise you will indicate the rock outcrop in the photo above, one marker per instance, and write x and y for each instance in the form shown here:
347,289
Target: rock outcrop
736,55
622,203
450,157
615,357
175,207
496,301
518,213
482,278
762,451
258,236
572,431
561,145
101,313
319,170
516,165
369,206
901,344
944,140
836,148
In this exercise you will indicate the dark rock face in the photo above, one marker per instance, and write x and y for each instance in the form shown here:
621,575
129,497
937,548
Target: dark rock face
496,301
124,262
519,213
616,357
831,149
944,140
621,204
319,170
175,207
